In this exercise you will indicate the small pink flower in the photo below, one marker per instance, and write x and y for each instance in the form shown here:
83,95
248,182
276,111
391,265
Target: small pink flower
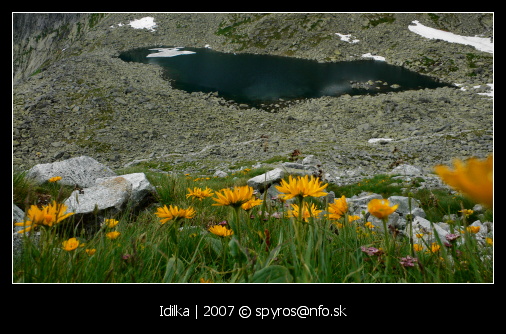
370,250
408,261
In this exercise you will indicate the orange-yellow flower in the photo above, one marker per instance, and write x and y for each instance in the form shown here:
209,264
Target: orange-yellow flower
380,208
352,218
91,251
55,179
467,212
221,231
199,193
235,197
473,178
174,213
47,216
369,225
251,203
434,248
110,223
308,211
71,244
338,208
473,229
417,247
112,235
301,187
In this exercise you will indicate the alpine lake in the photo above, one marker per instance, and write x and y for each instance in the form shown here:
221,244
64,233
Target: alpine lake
263,80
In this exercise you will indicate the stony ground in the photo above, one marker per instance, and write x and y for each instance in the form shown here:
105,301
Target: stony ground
87,101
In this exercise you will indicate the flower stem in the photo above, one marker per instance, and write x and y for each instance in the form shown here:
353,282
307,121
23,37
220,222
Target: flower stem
387,245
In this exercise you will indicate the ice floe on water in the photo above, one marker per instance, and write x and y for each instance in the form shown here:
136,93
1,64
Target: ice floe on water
480,43
168,52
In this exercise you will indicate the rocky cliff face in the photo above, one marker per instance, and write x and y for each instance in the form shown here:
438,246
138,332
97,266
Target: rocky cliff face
73,96
41,38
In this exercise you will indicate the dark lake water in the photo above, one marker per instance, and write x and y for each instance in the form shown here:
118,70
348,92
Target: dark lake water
264,79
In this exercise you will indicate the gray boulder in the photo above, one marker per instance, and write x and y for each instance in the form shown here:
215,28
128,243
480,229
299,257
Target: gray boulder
17,216
262,182
109,195
358,203
406,205
17,239
426,230
406,170
141,187
82,171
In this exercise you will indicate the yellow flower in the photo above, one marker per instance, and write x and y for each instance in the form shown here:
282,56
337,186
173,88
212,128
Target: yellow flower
55,179
90,252
202,280
434,247
338,208
235,197
369,225
110,223
47,216
221,231
489,241
301,187
474,178
173,212
467,212
199,193
419,235
112,235
352,218
306,212
417,247
251,203
380,208
473,229
71,244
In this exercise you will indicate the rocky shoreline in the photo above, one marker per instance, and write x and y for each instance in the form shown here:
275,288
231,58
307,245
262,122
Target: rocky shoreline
87,101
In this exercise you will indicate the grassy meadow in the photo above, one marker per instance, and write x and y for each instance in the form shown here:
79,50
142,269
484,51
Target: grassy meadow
216,230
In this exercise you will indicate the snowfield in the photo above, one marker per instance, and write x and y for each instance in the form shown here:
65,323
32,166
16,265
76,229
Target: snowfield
480,43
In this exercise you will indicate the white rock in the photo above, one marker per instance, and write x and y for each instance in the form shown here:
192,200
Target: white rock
141,186
82,171
112,194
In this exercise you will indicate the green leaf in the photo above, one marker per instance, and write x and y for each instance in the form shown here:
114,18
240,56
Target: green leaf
272,274
237,251
215,245
173,270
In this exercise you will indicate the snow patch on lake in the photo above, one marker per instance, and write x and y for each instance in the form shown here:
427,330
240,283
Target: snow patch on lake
168,52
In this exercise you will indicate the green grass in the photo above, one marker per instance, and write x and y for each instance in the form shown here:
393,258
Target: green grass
269,249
